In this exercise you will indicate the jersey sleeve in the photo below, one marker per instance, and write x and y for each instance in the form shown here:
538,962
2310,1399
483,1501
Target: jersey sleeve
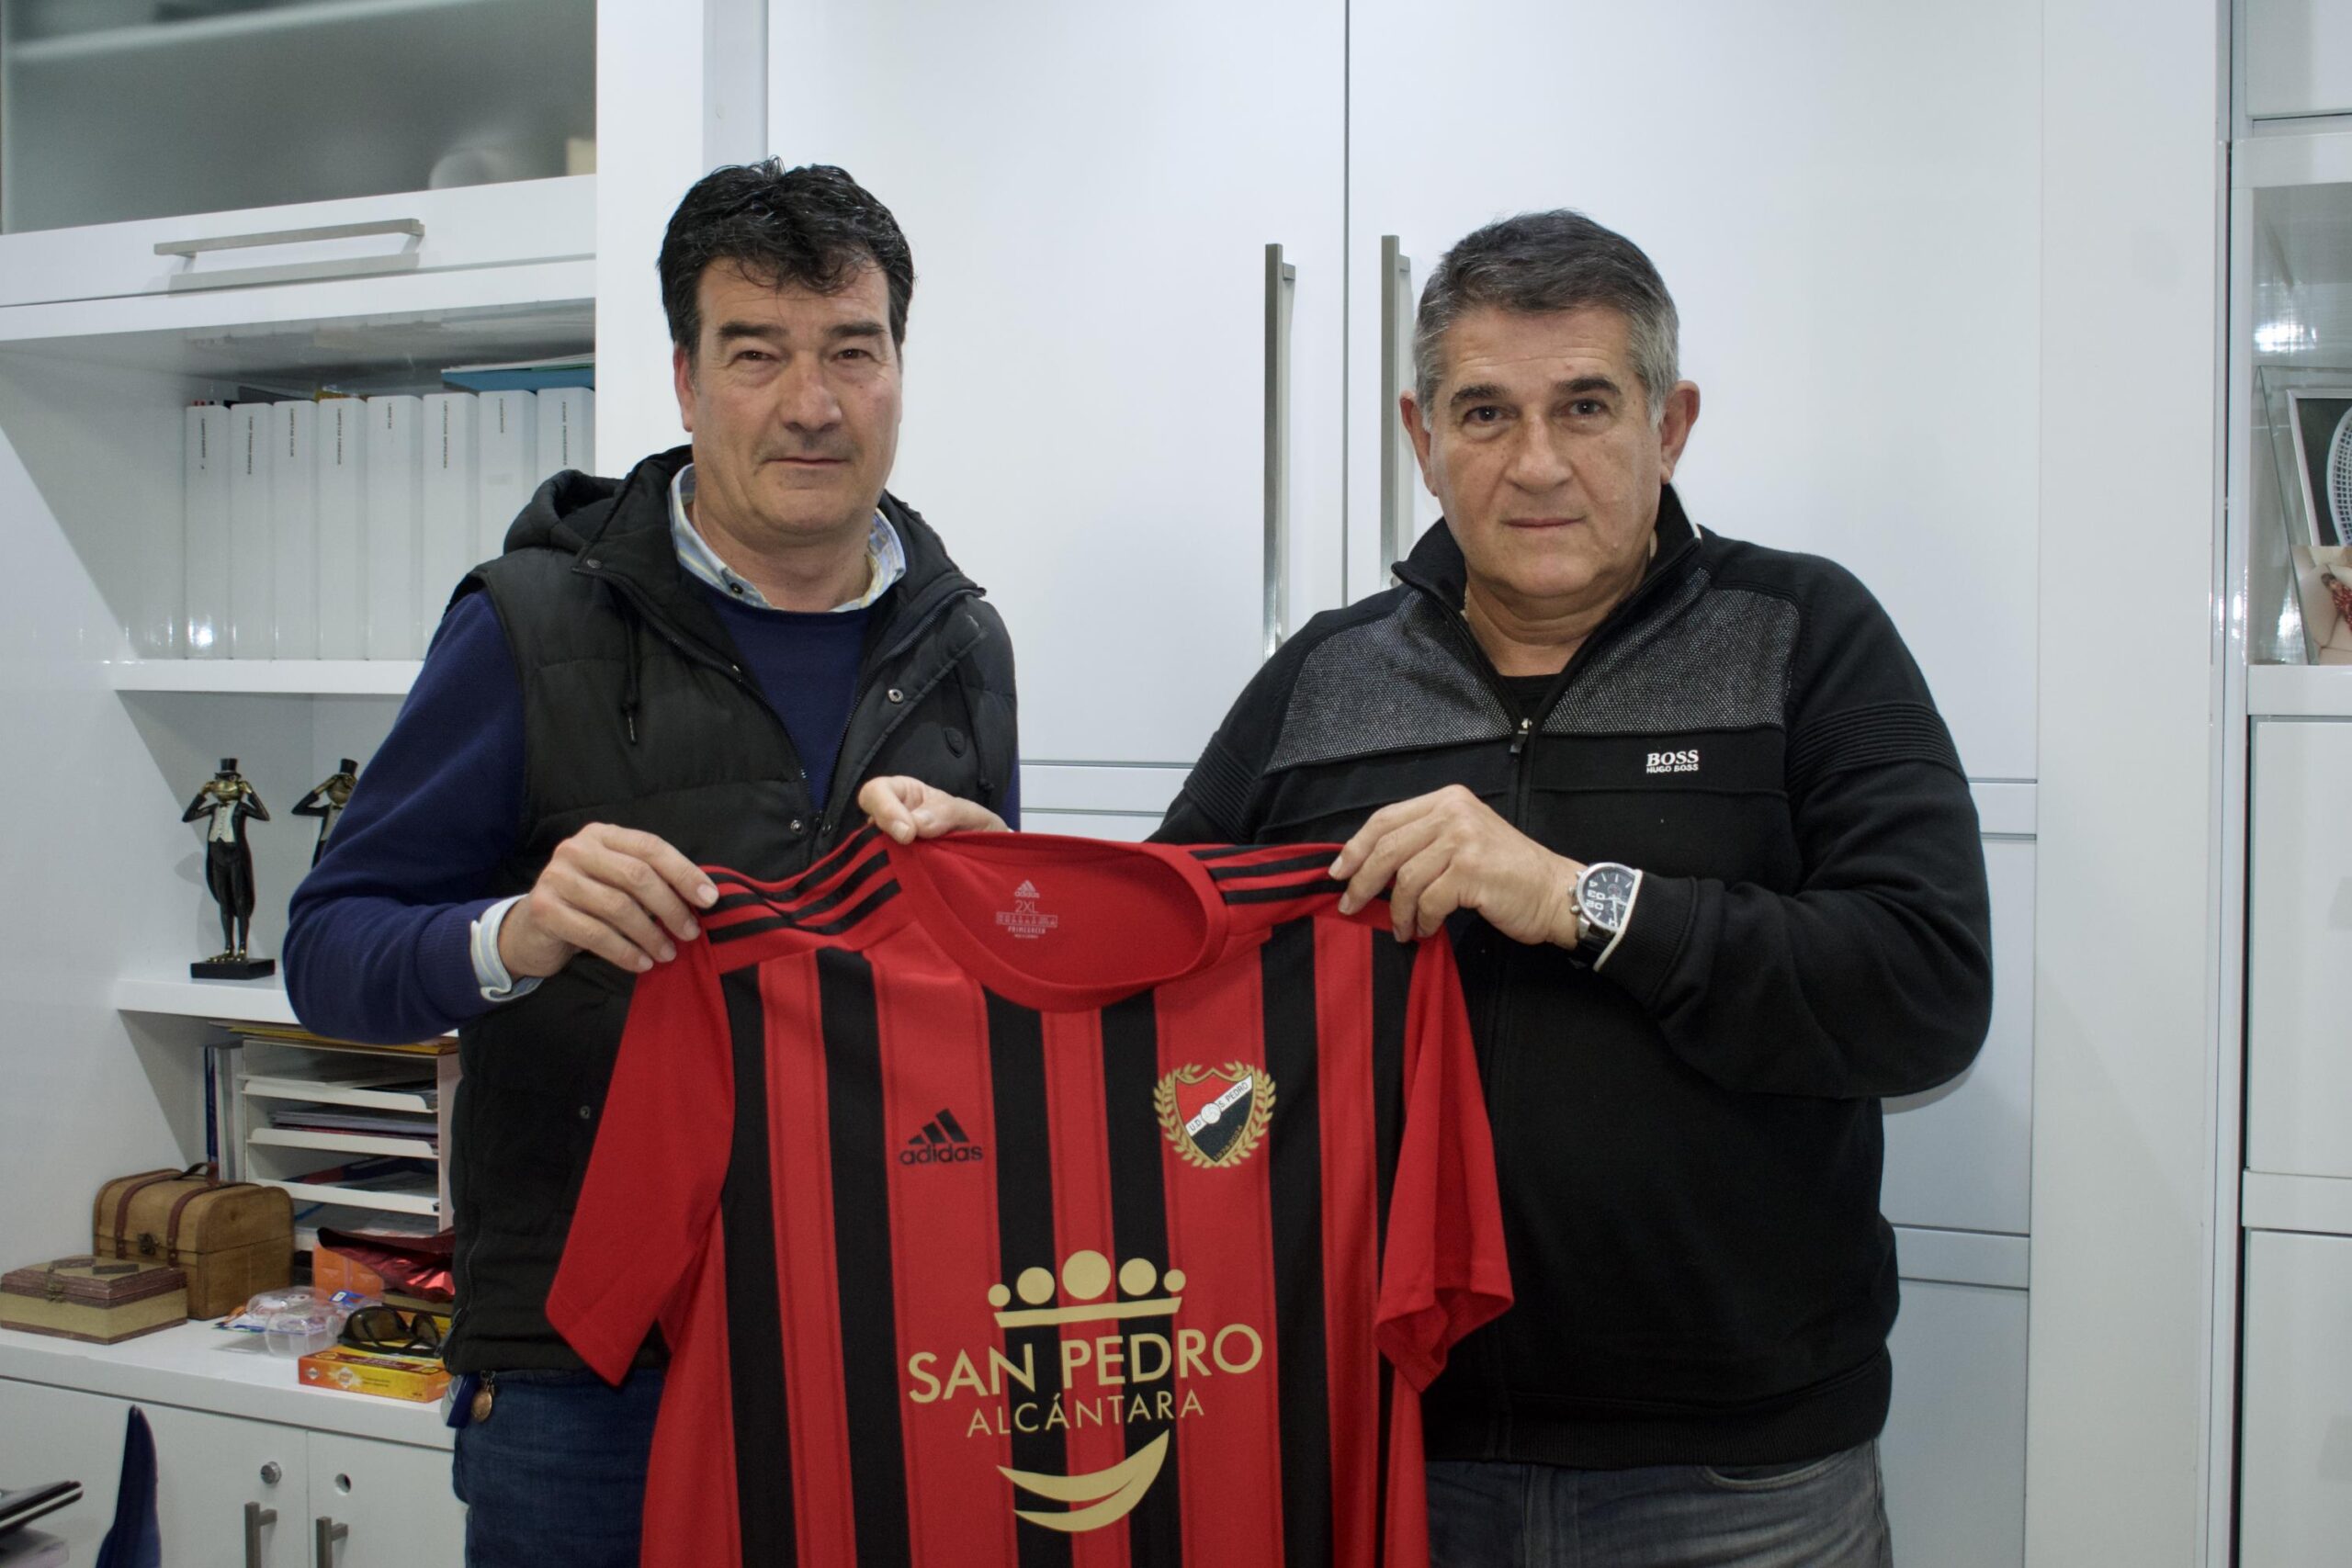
1443,1272
652,1189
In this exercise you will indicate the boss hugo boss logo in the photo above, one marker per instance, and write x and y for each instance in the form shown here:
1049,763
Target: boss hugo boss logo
1672,761
942,1140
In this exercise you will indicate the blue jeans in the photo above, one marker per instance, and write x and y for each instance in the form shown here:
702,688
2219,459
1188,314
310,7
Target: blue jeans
557,1473
1827,1513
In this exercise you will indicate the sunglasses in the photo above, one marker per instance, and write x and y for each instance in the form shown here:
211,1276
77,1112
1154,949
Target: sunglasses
393,1331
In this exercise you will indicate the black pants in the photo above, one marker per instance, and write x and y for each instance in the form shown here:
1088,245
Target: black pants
229,877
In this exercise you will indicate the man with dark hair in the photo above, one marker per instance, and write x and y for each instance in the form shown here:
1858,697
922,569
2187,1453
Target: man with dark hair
1712,871
696,663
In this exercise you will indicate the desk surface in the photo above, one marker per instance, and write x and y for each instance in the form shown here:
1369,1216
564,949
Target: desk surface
199,1367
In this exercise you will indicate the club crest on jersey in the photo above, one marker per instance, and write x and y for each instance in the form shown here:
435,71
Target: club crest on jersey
1215,1116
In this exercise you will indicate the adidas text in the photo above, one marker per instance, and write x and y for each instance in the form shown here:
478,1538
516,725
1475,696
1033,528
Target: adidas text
942,1140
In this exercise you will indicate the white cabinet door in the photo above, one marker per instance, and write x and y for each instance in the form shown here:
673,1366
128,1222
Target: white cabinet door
2298,58
501,225
2295,1433
1961,1157
392,1502
1844,197
56,1434
2299,934
210,1470
1954,1453
1089,192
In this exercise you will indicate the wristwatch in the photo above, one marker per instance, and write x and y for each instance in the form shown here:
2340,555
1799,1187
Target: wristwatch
1603,897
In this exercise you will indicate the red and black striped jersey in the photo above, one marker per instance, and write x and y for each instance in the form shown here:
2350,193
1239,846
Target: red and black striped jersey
1010,1199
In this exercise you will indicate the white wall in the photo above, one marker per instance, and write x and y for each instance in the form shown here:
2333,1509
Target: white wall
673,101
2123,1135
88,1094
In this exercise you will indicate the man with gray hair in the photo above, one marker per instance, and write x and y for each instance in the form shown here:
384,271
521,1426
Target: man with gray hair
1712,871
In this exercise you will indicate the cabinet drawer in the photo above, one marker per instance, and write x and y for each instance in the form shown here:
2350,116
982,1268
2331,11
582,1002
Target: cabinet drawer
2299,931
474,226
2295,1507
1961,1157
1953,1452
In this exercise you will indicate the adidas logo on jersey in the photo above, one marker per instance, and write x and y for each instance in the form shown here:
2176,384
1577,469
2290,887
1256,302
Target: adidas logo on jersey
1027,889
942,1140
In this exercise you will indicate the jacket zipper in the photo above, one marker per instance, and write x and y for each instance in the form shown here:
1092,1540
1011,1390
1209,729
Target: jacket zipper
830,819
1522,752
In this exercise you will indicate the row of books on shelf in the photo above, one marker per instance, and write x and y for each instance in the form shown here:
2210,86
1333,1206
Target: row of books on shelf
336,527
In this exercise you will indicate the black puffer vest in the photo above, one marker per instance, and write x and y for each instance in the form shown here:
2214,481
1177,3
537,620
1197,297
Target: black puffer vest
636,712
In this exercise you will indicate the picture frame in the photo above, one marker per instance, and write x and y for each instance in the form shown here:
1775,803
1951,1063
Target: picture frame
2319,421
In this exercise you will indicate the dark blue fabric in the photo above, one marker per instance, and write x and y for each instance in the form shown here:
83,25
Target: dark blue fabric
557,1473
135,1540
804,663
378,935
1824,1513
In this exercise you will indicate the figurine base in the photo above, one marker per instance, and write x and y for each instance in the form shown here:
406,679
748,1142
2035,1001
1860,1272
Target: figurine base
232,968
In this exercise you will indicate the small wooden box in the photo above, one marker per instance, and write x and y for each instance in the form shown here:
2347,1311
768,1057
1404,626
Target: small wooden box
232,1238
93,1299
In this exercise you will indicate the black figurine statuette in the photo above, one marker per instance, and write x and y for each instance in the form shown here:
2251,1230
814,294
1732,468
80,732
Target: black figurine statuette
226,803
326,800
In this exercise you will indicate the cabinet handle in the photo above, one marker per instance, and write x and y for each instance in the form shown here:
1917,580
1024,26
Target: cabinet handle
400,260
325,1535
1281,287
257,1519
1395,376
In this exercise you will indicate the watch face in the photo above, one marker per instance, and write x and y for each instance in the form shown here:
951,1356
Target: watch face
1605,895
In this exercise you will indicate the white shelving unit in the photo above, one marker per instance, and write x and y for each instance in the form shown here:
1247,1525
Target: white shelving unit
289,1074
282,677
2283,1193
223,1002
103,341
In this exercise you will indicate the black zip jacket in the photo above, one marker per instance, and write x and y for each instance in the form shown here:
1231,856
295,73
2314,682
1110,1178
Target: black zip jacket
1688,1137
636,713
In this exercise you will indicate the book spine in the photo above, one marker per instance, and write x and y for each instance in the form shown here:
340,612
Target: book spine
507,465
394,478
342,528
252,552
294,525
207,531
447,500
567,429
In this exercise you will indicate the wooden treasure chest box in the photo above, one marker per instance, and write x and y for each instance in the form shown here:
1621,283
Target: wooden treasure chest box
232,1238
93,1298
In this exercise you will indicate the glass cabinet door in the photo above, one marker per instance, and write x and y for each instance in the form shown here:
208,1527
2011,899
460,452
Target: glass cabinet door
2300,592
119,109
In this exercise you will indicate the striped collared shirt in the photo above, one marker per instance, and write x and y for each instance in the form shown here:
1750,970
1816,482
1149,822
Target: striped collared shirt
885,557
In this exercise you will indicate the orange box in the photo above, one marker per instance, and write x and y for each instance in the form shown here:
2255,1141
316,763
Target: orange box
332,1272
420,1379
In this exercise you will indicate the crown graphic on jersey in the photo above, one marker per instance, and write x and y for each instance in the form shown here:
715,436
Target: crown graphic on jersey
1027,889
1086,1282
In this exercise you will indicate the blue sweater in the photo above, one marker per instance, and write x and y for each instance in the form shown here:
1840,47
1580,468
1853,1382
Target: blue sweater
379,935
